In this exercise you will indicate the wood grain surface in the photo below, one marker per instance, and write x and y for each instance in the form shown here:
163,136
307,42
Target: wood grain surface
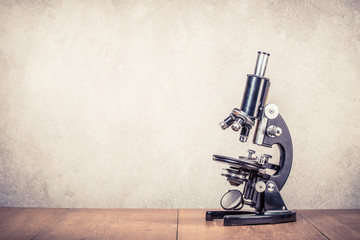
66,224
27,223
335,223
54,224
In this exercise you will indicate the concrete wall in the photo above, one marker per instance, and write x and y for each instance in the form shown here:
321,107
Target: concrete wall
117,104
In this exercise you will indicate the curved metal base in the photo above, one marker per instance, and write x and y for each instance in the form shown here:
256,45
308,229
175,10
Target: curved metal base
240,218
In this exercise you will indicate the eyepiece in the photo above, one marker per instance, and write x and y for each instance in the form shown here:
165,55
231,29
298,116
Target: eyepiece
261,64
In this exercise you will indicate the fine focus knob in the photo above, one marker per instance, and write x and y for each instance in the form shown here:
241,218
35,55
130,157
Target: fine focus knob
271,111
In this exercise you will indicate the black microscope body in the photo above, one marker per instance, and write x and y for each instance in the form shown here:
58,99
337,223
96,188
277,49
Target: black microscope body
261,189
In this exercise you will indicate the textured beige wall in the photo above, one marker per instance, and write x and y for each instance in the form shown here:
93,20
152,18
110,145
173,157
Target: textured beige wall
117,104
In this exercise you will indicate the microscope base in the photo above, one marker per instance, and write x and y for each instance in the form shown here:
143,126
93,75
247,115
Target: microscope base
239,218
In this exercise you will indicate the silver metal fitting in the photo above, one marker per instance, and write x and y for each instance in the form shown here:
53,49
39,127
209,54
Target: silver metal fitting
267,157
270,186
271,111
261,64
237,125
243,116
273,131
262,171
264,158
243,138
260,186
251,152
223,125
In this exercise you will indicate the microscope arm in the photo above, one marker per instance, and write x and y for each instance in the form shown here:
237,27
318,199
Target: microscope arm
285,146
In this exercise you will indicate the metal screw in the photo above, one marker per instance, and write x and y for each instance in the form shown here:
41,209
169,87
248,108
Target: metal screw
260,186
270,187
251,152
263,171
267,157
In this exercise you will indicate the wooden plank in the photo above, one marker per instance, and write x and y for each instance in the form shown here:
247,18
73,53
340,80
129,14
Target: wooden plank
192,225
335,224
114,224
26,223
31,223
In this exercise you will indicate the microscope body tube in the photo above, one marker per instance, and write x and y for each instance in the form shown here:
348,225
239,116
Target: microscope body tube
256,89
255,94
254,99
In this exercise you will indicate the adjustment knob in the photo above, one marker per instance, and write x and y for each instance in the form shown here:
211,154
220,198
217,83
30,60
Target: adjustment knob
264,159
273,131
271,111
260,186
251,152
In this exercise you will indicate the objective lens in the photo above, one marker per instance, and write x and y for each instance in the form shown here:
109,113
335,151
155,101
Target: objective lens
244,134
227,122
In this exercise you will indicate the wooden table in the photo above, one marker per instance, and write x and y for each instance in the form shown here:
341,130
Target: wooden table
44,223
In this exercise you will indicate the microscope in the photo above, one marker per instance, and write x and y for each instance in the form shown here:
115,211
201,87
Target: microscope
259,180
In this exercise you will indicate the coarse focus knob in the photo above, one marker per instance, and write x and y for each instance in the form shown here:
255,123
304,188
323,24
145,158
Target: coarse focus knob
273,131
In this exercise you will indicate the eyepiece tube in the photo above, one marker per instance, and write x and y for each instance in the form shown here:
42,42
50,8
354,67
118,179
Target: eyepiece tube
261,63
